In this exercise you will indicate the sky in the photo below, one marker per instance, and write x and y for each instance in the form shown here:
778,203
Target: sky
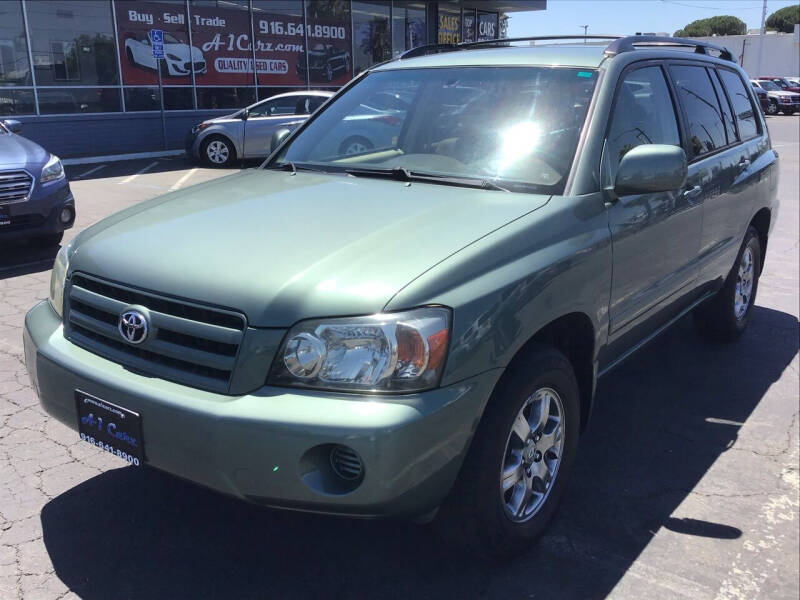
630,16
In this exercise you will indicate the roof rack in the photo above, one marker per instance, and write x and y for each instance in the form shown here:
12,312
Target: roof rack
628,44
619,44
437,48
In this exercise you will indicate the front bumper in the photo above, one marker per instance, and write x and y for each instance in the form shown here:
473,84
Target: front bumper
257,446
40,214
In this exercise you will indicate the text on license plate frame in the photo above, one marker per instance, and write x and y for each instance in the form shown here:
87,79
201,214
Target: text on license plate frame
110,427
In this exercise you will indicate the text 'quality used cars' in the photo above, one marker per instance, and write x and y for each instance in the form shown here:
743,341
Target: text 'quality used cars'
417,328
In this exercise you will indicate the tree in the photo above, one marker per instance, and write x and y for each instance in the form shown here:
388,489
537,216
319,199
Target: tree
721,25
784,19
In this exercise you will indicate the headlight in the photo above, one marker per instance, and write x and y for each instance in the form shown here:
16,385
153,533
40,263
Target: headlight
200,127
52,171
392,352
57,279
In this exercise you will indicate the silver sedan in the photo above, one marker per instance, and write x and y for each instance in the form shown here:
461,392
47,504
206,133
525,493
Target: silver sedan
247,132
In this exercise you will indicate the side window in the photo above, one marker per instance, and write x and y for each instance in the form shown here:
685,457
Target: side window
730,127
275,108
314,102
742,104
643,114
703,114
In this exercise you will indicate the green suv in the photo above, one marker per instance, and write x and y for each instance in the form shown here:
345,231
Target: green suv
417,328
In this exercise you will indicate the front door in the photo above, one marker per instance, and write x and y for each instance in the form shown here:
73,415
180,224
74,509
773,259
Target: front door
655,236
265,118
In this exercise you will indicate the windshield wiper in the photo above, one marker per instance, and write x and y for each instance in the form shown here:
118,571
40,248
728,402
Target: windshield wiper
403,174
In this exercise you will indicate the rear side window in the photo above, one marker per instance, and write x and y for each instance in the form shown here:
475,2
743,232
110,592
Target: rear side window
742,105
703,114
730,127
643,114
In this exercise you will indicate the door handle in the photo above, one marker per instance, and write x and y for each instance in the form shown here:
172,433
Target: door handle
744,163
693,193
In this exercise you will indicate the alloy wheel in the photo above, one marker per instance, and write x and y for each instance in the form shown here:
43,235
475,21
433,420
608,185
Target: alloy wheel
743,294
218,152
533,455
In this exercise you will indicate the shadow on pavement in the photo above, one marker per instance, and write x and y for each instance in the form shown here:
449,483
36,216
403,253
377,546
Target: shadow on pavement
660,422
23,258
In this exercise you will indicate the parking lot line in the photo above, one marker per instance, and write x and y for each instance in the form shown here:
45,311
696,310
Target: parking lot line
182,180
139,172
90,171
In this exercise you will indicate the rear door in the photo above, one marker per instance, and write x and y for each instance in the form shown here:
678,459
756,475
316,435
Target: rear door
719,167
268,116
656,236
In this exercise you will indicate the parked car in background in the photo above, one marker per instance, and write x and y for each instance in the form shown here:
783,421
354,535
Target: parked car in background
794,80
36,203
325,61
763,98
779,100
783,82
418,330
178,56
247,132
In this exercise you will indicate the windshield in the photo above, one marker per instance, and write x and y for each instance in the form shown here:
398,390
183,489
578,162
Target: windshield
516,126
771,86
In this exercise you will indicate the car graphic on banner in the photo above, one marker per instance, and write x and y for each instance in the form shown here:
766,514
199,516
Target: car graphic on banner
178,57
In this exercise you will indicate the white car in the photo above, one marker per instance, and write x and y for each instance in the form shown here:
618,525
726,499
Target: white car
178,56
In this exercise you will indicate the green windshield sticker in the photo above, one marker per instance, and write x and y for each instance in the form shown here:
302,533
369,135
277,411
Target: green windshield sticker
584,73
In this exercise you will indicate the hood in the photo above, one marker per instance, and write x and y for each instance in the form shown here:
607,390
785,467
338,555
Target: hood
17,151
282,247
782,93
179,50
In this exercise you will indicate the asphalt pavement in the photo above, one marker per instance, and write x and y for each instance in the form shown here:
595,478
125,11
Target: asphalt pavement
686,483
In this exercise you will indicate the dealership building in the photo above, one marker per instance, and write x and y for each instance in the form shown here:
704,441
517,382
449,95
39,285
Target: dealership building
82,77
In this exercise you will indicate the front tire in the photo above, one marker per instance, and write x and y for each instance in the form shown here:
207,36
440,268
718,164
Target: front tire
772,109
518,465
217,151
726,315
355,144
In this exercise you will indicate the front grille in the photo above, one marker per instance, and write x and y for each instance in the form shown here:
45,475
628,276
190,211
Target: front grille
187,343
15,186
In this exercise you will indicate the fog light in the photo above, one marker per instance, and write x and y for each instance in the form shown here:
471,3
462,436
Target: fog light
346,463
66,215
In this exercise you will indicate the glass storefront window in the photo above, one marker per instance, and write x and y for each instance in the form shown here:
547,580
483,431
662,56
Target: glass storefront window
371,41
487,26
14,64
135,19
449,23
329,43
225,97
72,43
16,102
408,26
278,28
146,98
470,23
221,31
53,101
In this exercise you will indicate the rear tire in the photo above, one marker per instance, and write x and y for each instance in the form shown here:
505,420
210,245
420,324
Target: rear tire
217,151
355,145
486,511
725,316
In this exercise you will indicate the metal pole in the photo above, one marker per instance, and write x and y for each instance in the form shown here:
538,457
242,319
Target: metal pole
585,29
761,40
161,98
305,42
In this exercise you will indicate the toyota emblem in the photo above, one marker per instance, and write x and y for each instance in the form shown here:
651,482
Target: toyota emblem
133,326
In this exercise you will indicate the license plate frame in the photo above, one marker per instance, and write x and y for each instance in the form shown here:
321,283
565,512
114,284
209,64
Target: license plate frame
110,427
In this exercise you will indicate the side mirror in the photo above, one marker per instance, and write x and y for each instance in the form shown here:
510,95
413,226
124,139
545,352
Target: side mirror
651,168
278,137
13,125
245,115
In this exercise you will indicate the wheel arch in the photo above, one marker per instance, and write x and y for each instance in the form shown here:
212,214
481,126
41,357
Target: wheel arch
761,222
573,334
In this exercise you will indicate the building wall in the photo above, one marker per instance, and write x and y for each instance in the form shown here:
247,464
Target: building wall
780,56
80,74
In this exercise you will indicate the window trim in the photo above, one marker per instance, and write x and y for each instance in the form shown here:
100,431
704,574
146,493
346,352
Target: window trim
661,65
716,83
695,159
